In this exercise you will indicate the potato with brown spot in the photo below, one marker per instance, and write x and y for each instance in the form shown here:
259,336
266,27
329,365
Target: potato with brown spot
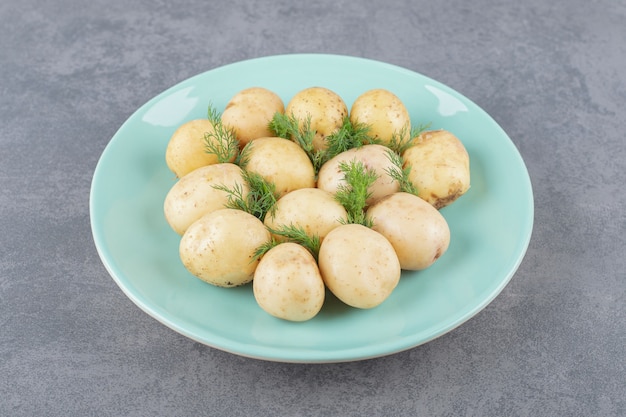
440,167
186,149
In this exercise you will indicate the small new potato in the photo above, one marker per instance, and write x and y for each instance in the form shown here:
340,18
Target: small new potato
359,265
287,283
280,161
325,108
373,156
249,112
185,150
219,248
417,231
385,113
314,210
195,194
440,167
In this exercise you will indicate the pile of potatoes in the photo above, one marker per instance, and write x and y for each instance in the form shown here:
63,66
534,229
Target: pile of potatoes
360,264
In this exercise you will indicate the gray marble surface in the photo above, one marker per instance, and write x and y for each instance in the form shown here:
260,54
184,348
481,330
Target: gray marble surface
551,73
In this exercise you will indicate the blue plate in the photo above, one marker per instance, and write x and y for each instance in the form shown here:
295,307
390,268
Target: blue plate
490,225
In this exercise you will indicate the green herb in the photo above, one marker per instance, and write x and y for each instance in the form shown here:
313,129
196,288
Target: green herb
349,135
222,142
258,201
291,233
400,173
402,140
354,193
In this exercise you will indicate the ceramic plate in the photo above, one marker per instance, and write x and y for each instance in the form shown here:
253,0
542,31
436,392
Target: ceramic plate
490,225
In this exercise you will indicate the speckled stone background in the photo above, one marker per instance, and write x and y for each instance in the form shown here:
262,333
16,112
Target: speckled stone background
552,73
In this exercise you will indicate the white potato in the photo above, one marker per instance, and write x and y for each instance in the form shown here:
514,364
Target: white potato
287,283
325,108
280,161
249,112
440,167
195,195
314,210
359,265
373,156
219,247
384,112
417,231
185,150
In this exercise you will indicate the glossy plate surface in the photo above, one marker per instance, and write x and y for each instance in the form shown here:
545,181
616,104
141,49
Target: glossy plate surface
490,225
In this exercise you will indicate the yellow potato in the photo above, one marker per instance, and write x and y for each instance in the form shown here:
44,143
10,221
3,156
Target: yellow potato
359,265
185,150
314,210
325,108
373,156
417,231
249,112
440,167
195,195
219,247
287,283
384,112
281,162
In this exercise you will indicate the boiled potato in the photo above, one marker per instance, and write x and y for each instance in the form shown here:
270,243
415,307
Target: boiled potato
417,231
325,108
314,210
195,195
185,150
280,161
373,156
359,265
384,112
287,283
249,112
219,247
440,167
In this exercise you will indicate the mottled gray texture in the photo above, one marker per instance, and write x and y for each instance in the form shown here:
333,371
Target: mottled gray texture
552,73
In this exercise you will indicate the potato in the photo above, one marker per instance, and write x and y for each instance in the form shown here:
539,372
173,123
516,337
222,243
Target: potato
417,231
281,162
249,112
384,112
185,150
315,211
373,156
287,283
440,167
359,265
219,247
195,195
325,108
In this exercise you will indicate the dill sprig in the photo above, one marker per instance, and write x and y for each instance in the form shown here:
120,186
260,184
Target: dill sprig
258,201
222,142
400,173
354,193
349,135
291,233
403,139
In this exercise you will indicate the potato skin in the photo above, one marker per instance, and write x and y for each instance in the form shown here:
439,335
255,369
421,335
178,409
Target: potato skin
287,283
440,167
314,210
326,109
359,265
373,156
195,195
384,112
249,112
185,150
417,231
281,162
219,247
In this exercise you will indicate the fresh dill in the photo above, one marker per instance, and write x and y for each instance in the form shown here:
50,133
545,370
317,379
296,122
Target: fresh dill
258,200
349,135
404,138
354,193
400,173
291,233
222,142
